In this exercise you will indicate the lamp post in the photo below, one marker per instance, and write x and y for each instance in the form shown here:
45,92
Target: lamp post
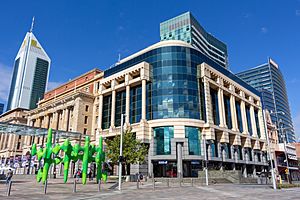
269,151
283,136
121,152
205,159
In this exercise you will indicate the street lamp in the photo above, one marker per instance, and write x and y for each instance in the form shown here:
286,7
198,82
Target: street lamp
205,159
283,137
121,152
269,151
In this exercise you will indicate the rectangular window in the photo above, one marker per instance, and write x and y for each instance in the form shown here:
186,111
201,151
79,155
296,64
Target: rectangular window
257,123
215,106
193,135
250,154
84,131
227,111
249,120
202,102
86,108
240,154
106,114
239,116
214,149
85,119
162,136
135,104
120,106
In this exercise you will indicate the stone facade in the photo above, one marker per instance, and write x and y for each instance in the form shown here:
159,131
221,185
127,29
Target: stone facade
11,145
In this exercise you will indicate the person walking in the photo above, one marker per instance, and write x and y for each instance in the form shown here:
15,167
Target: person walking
9,175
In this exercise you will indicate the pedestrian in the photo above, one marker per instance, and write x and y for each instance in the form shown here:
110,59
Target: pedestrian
77,174
9,175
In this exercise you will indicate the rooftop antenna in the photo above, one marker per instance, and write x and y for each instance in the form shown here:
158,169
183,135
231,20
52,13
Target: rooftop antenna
32,23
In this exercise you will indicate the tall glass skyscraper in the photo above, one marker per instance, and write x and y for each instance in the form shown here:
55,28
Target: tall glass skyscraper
186,28
1,108
30,74
268,79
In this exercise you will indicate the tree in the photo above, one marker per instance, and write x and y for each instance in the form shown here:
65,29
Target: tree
134,151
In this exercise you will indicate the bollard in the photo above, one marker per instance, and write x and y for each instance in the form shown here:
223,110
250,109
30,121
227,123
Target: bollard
168,182
180,182
153,183
74,186
138,184
192,182
45,187
8,188
99,185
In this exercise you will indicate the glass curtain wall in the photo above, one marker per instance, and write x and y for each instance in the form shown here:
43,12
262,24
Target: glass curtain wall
227,111
135,104
257,123
106,114
120,106
239,116
215,106
249,120
193,135
162,137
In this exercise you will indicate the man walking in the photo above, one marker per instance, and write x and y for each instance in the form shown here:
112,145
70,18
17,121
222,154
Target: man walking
9,175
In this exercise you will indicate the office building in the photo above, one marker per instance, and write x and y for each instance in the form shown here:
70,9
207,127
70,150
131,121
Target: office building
1,108
178,101
30,74
268,79
186,28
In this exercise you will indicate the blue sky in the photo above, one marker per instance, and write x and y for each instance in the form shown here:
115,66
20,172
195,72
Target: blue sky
82,35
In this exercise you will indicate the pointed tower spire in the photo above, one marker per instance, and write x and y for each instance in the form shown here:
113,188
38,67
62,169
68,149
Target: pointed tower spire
32,23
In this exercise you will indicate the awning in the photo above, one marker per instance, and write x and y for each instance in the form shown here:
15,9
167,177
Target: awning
24,130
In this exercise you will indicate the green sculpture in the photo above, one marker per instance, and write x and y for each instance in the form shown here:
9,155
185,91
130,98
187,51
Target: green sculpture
71,153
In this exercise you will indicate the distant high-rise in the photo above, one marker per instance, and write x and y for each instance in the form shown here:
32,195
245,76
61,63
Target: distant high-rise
268,79
186,28
1,108
30,74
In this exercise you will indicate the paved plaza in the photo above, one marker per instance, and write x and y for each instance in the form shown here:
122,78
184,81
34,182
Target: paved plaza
29,189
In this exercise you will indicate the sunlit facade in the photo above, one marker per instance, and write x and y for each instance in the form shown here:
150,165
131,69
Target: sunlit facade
172,96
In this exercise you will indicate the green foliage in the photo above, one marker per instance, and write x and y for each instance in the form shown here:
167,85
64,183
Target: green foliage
133,150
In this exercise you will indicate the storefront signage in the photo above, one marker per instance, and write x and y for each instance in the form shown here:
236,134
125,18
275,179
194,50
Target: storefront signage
162,162
195,162
292,157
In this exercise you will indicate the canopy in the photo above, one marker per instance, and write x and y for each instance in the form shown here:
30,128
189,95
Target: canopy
24,130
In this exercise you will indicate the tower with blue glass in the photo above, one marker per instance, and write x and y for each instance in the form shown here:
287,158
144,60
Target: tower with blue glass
268,79
186,28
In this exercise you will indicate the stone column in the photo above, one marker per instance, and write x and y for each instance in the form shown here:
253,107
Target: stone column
66,119
100,112
144,90
179,160
127,107
244,117
245,171
233,113
261,124
221,108
113,109
1,140
208,107
253,122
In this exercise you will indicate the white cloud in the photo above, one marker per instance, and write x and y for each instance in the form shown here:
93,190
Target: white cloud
5,79
53,84
263,30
